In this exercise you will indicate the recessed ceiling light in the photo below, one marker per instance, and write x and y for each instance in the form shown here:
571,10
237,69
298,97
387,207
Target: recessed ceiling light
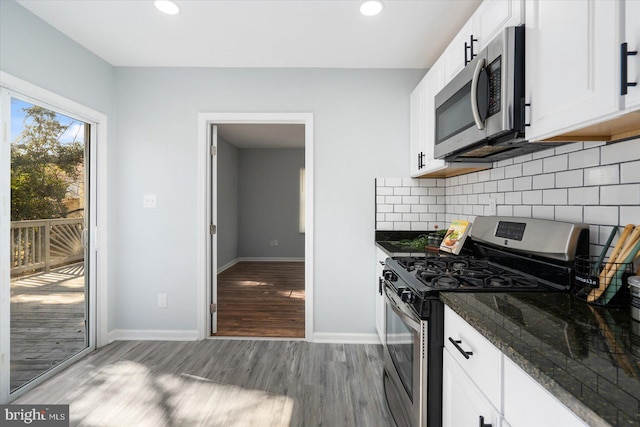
167,6
371,7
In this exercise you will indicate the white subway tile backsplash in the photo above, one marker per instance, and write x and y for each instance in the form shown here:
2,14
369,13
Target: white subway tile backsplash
555,197
543,212
522,184
629,215
567,148
605,215
497,173
598,184
544,181
522,210
602,175
584,196
532,197
533,167
630,172
505,185
620,152
569,178
620,194
555,163
513,171
514,198
408,200
392,200
569,213
584,159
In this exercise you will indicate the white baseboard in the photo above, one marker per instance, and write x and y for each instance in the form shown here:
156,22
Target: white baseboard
228,265
271,259
152,335
346,338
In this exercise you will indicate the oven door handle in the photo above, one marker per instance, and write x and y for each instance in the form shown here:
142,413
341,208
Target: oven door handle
409,319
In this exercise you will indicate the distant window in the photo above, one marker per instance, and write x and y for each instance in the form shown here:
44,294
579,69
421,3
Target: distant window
302,199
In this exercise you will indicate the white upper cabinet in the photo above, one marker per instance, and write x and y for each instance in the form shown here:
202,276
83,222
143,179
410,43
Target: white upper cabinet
417,128
632,38
487,21
572,65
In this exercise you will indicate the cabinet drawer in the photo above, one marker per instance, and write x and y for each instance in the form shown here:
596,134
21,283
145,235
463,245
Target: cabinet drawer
480,359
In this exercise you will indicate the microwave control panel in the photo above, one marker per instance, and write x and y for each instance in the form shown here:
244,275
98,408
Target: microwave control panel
495,92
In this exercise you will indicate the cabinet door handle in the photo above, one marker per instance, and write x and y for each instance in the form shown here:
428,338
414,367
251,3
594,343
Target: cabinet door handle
457,343
380,285
469,47
482,424
624,59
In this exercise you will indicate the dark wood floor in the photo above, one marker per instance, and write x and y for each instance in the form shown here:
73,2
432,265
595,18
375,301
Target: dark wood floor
262,299
234,383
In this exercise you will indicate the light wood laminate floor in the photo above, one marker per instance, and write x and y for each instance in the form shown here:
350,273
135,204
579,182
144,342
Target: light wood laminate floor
237,383
261,299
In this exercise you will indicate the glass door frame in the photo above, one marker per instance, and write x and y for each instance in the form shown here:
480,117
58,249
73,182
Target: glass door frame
96,296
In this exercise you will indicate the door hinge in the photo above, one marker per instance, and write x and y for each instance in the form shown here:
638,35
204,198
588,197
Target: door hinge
214,150
213,229
213,308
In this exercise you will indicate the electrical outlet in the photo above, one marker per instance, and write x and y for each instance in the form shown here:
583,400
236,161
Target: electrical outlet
150,201
493,205
273,242
162,300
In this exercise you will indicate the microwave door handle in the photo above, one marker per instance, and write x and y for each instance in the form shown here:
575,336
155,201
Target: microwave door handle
474,94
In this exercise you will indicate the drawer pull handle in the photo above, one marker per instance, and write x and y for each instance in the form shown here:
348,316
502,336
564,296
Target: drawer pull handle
457,343
482,424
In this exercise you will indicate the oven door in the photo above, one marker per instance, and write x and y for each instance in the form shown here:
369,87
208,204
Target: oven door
405,372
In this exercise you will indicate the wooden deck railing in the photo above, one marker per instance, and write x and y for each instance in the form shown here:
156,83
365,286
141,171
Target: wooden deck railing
46,243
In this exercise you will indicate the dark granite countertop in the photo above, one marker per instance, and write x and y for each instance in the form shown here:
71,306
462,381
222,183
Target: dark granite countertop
588,357
387,241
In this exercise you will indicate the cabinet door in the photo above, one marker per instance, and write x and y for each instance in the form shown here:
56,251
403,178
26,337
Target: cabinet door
380,321
632,37
572,67
434,84
454,55
417,128
494,15
462,402
539,408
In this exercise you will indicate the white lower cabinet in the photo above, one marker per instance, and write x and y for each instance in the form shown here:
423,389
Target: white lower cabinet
488,384
538,408
463,402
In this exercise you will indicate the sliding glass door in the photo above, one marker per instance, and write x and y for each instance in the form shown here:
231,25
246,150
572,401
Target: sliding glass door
48,240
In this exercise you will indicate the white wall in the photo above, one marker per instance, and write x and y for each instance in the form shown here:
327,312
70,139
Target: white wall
361,123
269,203
35,52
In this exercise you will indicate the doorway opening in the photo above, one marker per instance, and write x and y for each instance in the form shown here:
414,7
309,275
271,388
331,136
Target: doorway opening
259,216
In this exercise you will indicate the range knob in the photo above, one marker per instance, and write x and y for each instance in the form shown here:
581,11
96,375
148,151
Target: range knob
406,296
390,276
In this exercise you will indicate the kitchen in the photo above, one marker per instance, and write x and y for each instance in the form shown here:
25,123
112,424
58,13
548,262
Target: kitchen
142,102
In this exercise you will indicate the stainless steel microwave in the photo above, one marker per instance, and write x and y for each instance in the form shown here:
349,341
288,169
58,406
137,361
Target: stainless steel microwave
479,115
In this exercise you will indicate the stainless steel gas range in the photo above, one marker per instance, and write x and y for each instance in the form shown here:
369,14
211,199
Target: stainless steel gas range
503,254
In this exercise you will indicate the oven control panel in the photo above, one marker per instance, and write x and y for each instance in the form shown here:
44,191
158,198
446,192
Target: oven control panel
510,230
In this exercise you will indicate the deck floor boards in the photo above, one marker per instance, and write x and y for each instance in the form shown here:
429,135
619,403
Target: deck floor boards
47,321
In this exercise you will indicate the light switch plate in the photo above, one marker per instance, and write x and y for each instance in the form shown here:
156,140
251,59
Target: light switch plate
150,201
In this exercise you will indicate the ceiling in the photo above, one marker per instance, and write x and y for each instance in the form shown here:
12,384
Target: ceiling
259,33
263,135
